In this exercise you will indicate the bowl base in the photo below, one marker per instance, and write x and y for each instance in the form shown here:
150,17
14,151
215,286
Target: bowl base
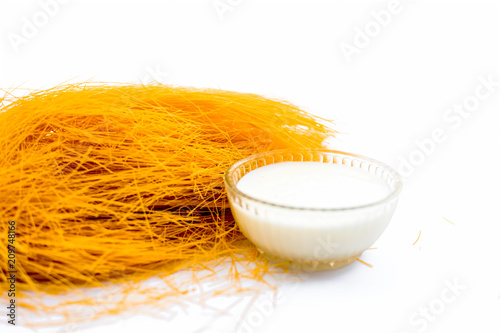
311,265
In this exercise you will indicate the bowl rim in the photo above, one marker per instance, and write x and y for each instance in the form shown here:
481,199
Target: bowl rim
392,195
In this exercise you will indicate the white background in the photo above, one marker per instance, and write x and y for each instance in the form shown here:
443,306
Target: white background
395,91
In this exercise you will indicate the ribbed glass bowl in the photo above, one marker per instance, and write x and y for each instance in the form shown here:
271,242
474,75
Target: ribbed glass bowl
311,238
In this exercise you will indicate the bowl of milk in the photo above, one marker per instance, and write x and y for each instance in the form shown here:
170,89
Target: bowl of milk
314,209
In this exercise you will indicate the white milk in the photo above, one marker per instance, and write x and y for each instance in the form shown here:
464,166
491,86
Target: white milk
313,185
328,234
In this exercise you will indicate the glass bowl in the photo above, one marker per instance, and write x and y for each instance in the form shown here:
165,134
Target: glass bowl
311,238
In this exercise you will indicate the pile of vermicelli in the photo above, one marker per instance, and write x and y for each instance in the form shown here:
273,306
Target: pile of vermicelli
114,182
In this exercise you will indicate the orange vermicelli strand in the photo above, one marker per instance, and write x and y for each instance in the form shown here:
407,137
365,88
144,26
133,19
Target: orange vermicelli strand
109,181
